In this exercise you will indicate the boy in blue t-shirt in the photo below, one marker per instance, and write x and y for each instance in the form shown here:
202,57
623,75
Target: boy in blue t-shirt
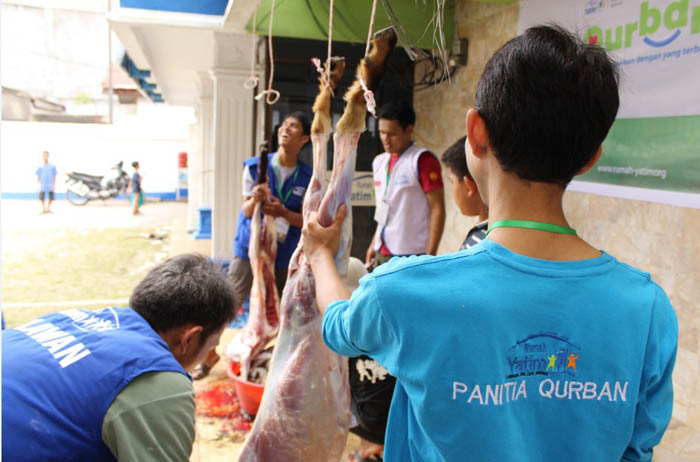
532,345
465,192
46,177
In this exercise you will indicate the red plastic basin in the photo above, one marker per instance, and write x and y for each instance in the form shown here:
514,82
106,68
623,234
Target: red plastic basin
249,393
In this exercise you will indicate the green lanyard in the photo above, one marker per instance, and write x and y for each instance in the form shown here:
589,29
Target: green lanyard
275,165
531,225
388,174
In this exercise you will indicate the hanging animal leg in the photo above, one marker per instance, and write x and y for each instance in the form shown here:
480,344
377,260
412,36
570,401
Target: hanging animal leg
350,125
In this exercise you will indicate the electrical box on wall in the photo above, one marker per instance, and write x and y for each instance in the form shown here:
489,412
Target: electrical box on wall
459,51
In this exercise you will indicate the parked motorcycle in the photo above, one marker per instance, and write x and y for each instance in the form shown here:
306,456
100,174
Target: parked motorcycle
82,188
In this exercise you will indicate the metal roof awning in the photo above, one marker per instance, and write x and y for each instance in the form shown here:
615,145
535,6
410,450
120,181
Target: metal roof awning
140,76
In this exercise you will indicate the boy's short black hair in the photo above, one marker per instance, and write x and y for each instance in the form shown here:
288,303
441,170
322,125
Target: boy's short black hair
135,164
548,101
186,288
399,111
455,157
303,118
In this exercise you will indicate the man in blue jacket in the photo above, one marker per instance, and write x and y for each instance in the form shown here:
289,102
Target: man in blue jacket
283,195
112,384
287,180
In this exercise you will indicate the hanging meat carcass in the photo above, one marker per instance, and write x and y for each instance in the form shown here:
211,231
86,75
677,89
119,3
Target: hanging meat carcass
298,386
263,316
305,410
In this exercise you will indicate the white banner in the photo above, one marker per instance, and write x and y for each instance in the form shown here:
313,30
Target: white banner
362,194
656,44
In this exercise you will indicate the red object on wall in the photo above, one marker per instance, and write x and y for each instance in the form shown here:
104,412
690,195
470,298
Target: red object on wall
182,160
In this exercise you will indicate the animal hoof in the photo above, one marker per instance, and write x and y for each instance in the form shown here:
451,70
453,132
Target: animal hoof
388,33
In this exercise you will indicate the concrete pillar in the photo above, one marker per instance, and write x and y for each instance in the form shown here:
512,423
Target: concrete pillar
205,106
194,179
232,140
201,155
206,171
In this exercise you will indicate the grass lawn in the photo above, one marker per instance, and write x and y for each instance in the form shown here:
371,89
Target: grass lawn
72,265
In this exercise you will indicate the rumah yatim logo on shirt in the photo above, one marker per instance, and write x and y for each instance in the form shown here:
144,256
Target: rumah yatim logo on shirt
542,366
401,180
543,354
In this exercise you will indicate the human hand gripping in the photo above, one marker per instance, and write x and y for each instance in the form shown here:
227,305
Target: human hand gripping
370,254
260,192
320,245
320,240
274,207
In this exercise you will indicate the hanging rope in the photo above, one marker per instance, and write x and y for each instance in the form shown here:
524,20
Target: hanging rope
252,81
330,40
369,98
368,94
371,26
324,78
271,95
326,75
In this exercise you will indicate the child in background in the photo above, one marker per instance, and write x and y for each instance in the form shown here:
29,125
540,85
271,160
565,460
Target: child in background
136,192
465,192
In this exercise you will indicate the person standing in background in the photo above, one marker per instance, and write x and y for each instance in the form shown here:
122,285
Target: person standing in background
282,197
136,192
410,216
465,192
46,177
410,210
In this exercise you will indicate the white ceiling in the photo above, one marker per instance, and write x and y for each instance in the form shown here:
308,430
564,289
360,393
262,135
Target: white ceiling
176,47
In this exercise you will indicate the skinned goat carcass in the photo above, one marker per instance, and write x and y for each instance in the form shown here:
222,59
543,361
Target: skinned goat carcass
263,316
305,411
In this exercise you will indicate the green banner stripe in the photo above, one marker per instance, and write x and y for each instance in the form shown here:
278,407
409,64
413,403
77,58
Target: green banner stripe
657,153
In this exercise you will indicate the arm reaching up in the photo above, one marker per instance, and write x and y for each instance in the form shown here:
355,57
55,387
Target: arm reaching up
320,246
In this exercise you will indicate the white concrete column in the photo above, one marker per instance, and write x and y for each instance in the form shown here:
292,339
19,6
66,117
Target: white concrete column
201,157
232,140
205,90
194,180
206,170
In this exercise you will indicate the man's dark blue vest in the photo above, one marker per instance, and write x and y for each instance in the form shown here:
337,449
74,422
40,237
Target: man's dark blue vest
296,198
60,374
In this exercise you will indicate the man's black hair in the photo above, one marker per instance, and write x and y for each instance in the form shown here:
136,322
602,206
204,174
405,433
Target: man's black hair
399,111
455,158
548,101
186,288
135,164
303,118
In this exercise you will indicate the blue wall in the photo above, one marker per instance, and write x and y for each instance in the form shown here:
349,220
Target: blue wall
213,7
166,196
